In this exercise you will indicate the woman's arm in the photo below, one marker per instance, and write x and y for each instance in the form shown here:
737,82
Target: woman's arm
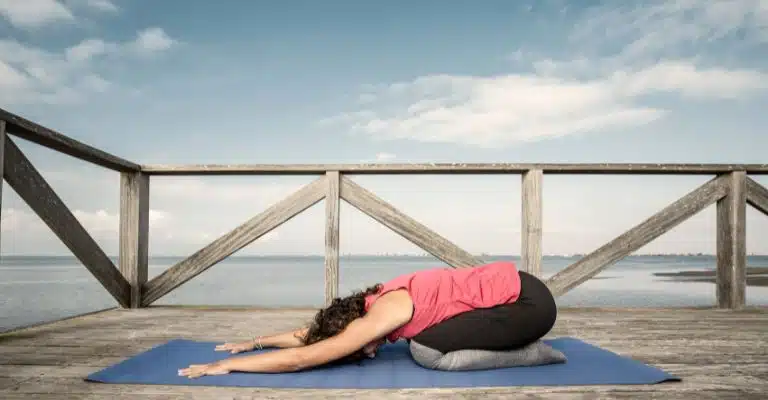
387,314
281,340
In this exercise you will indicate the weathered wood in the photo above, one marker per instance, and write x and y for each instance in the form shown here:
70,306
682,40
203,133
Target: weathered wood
134,231
332,236
27,182
50,322
717,354
51,139
531,253
452,168
405,226
757,196
2,164
732,243
233,241
639,236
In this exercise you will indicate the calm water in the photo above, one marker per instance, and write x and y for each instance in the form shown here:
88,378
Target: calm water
37,289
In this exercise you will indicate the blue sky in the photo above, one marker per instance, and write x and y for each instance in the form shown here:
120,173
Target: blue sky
427,81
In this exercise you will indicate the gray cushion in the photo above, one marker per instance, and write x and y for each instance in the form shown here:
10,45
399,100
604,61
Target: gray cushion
536,353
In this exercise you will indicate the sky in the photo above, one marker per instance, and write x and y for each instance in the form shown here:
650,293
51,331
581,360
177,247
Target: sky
396,82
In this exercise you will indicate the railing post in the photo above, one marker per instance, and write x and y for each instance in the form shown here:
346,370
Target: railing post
332,201
731,243
531,252
2,165
134,232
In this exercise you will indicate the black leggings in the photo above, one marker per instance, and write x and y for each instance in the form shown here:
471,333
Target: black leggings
502,327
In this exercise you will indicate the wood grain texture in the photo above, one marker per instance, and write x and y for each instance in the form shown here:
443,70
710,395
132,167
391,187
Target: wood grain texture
405,226
233,241
51,139
719,354
2,167
332,203
531,253
640,235
452,168
731,280
757,196
134,231
27,182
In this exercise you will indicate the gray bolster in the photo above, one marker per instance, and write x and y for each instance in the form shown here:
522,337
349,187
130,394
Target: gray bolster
536,353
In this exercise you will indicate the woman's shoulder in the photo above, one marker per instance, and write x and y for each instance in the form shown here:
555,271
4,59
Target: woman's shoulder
395,304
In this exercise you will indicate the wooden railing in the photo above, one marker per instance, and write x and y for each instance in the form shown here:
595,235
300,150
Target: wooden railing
731,189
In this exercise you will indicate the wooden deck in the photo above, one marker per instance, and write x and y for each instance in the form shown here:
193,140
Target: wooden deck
718,353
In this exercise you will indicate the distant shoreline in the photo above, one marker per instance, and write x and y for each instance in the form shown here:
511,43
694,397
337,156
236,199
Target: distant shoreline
756,276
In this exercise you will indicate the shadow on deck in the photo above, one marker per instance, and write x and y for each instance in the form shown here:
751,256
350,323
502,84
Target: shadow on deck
717,353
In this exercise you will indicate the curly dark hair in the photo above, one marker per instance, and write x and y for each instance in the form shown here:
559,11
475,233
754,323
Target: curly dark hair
335,317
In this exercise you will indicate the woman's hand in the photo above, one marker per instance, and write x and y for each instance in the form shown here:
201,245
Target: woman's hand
198,370
235,348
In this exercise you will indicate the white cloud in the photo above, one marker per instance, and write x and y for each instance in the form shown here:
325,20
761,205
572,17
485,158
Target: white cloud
34,13
10,78
40,14
100,5
152,40
502,110
668,27
30,75
584,94
86,50
385,156
686,79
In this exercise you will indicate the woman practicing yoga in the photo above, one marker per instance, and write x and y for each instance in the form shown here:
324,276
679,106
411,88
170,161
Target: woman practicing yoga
492,307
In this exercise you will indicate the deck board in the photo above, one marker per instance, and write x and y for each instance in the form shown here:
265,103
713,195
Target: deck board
718,353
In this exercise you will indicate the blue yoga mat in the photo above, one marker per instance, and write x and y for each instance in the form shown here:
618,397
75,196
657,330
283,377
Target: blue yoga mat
393,368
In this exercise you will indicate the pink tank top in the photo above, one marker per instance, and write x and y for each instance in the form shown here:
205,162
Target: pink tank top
441,293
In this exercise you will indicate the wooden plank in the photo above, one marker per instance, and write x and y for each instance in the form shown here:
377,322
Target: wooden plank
2,164
134,231
51,139
332,236
452,168
640,235
531,253
717,354
732,243
405,226
48,323
757,196
22,176
233,241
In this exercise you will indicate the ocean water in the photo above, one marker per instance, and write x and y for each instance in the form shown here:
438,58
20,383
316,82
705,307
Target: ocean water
40,289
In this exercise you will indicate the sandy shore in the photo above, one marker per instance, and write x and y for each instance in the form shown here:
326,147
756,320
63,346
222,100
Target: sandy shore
756,276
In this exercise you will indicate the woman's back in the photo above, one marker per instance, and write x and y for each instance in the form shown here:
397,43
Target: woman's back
441,293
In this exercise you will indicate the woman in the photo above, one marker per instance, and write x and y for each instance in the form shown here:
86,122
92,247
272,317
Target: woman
442,308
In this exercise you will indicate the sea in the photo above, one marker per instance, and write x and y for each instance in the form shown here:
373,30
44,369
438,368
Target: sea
40,289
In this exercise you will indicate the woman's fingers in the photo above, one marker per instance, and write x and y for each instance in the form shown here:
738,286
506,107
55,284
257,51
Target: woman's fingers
193,371
233,348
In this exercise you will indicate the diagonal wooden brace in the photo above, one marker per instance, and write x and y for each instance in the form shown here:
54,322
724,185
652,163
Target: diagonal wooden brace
22,176
405,226
233,241
639,236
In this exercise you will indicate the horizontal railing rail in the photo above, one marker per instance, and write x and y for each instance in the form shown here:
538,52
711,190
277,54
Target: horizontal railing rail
731,189
28,130
454,169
